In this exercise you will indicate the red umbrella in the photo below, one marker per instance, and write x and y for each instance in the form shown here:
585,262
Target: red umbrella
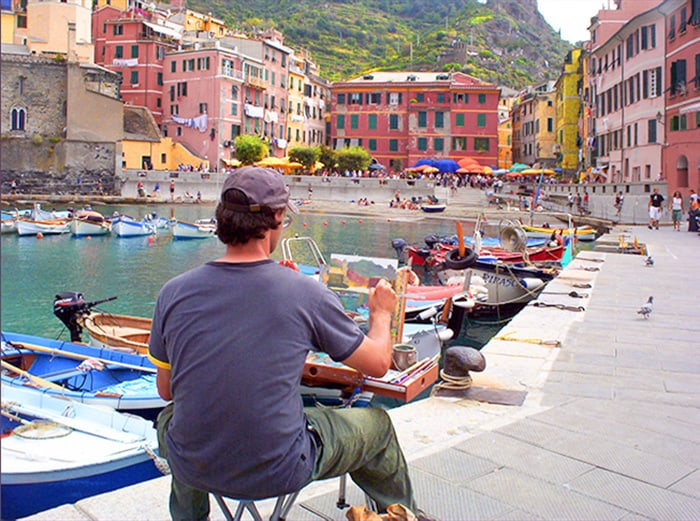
466,162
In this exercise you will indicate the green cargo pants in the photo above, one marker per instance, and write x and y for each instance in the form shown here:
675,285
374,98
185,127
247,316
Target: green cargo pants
361,442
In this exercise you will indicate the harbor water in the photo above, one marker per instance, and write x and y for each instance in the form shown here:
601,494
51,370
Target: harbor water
134,269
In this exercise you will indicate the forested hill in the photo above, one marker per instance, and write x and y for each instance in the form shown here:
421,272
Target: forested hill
507,41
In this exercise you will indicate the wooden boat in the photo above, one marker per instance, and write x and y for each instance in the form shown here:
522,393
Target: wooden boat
51,227
435,258
582,233
88,223
202,229
125,226
86,374
119,332
57,451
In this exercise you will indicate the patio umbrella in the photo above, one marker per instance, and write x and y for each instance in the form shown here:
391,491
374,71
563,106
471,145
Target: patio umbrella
518,167
429,169
488,170
446,165
500,171
466,162
537,171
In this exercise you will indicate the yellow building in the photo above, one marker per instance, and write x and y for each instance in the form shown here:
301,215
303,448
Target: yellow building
198,22
505,143
144,148
122,5
7,29
295,103
569,138
61,28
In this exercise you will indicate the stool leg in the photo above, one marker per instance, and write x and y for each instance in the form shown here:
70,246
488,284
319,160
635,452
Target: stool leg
341,503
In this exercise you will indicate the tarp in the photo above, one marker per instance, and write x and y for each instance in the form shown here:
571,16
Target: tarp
518,167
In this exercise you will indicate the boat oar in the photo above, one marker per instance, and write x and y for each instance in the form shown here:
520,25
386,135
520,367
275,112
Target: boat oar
68,354
460,238
33,378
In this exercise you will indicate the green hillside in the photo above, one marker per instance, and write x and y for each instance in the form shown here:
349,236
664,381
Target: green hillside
509,42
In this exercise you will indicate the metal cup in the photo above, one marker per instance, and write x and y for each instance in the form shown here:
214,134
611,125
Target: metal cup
403,356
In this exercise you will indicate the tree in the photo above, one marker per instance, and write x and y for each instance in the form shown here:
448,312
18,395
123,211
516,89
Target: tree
327,156
250,149
307,156
353,158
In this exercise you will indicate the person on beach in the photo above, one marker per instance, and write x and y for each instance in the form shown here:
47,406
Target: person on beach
235,374
619,201
656,200
172,189
676,208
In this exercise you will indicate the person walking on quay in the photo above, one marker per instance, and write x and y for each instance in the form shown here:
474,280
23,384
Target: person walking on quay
619,201
172,189
254,439
656,201
676,208
570,202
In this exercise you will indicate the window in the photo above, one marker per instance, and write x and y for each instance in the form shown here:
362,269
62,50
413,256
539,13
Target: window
482,98
439,120
159,78
372,121
678,77
235,131
697,71
422,143
394,98
134,51
422,119
459,119
550,124
481,144
134,77
119,51
234,91
117,30
439,144
158,102
234,109
373,144
340,121
672,29
340,99
160,53
459,143
682,22
181,89
481,120
375,98
18,118
355,98
393,145
420,97
354,121
172,93
173,66
695,14
393,121
202,108
460,98
440,97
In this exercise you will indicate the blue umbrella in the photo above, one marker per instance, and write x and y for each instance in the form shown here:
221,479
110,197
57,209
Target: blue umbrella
446,165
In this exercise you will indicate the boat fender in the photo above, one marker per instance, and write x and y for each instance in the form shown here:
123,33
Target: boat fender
532,283
455,262
445,334
289,264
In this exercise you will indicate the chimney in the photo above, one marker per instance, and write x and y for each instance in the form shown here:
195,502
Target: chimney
71,53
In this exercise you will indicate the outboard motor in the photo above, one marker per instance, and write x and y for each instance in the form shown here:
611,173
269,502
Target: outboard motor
70,306
399,246
431,240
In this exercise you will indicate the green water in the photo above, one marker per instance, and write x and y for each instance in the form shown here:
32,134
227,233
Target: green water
134,269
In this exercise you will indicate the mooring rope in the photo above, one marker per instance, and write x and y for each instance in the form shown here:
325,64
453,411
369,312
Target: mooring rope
453,383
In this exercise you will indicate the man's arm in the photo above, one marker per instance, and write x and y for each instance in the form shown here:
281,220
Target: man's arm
163,383
373,356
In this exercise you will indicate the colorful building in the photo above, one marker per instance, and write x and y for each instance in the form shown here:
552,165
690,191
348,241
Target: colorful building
534,136
60,29
569,138
401,117
681,155
135,47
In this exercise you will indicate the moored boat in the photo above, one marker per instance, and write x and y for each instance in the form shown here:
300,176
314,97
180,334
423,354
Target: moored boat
57,451
87,223
125,226
118,380
433,208
582,233
27,227
202,229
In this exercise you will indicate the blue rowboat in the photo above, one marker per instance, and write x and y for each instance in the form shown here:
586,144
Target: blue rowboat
57,451
125,226
86,374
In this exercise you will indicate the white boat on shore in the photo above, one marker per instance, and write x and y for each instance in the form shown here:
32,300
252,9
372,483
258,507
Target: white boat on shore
201,229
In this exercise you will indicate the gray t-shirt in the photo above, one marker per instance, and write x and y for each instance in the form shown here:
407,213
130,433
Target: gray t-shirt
235,337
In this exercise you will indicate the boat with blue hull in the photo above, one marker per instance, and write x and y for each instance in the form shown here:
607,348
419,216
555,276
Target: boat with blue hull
57,451
118,380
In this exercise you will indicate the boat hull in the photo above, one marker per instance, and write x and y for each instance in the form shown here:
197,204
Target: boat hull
585,233
28,227
91,451
84,228
118,332
126,228
184,230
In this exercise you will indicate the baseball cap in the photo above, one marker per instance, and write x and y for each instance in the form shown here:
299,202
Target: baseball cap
264,188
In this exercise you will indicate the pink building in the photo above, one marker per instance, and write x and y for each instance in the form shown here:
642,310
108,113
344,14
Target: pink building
626,82
401,117
681,156
211,95
134,47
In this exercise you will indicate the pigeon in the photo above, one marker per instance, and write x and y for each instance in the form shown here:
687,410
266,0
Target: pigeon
649,262
647,308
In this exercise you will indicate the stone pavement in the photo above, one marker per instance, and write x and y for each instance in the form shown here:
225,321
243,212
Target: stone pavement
608,427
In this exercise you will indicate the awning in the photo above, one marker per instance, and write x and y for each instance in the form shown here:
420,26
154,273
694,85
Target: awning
167,31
